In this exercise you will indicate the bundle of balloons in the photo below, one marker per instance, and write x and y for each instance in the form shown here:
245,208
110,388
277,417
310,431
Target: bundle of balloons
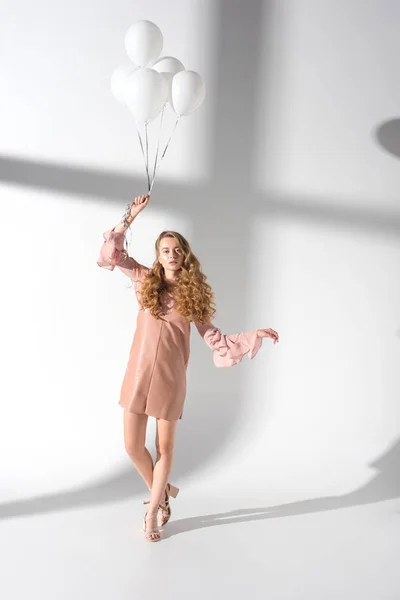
151,84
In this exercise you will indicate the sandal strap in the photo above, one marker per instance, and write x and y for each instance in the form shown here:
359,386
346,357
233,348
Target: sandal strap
152,515
170,490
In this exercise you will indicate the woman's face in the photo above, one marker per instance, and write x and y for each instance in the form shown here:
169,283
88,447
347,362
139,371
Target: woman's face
170,254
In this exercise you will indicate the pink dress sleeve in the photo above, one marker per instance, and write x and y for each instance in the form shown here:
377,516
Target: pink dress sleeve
113,254
228,350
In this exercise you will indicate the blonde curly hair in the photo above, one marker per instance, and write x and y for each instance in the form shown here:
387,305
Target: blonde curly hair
193,296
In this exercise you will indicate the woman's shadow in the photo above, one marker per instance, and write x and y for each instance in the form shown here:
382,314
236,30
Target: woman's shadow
385,485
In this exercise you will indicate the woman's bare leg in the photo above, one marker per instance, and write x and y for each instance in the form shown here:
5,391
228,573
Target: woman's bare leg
165,442
156,477
135,439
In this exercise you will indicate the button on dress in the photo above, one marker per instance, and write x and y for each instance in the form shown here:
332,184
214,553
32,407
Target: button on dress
155,378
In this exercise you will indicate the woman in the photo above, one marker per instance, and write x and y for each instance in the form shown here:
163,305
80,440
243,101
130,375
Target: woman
171,295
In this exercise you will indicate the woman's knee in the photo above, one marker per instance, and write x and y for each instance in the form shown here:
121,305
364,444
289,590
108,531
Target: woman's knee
165,439
133,449
134,434
165,449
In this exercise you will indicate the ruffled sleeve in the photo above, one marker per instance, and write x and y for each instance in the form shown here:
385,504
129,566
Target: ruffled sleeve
113,254
228,350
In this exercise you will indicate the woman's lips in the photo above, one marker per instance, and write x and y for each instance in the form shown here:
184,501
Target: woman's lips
172,262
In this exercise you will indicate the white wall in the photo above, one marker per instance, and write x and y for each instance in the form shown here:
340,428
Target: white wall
312,248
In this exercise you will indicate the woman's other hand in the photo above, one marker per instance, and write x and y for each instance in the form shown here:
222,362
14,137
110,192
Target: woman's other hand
271,333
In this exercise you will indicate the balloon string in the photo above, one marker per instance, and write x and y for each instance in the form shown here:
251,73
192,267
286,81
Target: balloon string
147,157
165,149
158,146
144,156
142,147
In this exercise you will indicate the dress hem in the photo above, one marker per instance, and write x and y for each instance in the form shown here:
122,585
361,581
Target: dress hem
134,412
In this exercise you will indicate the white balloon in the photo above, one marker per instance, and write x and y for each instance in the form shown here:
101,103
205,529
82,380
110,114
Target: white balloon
147,93
188,92
119,79
143,43
168,66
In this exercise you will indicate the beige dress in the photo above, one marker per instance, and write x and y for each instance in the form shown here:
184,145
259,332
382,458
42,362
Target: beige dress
155,378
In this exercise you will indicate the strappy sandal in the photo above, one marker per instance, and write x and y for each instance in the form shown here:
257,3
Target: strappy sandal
164,508
149,533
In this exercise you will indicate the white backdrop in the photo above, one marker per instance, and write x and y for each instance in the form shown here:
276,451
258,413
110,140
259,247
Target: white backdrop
291,205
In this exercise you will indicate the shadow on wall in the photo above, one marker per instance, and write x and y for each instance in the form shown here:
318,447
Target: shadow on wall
387,135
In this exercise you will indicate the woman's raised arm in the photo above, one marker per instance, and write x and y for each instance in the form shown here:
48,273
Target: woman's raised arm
112,252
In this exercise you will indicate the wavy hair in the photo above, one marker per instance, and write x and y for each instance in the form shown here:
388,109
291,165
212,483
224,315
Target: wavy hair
193,296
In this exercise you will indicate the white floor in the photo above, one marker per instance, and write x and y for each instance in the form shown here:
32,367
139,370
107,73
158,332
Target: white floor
229,546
